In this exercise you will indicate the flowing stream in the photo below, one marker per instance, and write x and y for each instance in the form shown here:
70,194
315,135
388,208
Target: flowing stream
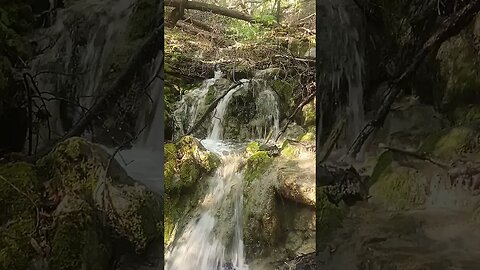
212,239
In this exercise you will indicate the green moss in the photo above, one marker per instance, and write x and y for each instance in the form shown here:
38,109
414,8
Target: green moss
186,162
329,216
141,221
21,176
74,165
78,243
309,113
289,151
252,148
460,67
383,163
399,188
189,172
16,251
308,137
142,21
450,143
466,114
257,165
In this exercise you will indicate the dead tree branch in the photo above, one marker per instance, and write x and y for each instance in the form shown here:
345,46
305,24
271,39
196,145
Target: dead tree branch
307,100
450,27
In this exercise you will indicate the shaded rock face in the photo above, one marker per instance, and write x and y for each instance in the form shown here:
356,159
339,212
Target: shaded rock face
88,211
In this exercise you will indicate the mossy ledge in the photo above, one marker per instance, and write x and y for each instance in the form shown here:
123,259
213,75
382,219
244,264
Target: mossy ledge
79,228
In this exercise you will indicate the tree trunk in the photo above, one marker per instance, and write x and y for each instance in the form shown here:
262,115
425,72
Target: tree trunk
211,8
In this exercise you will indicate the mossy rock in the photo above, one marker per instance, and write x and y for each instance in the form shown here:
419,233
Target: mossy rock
309,113
329,215
252,148
460,66
186,162
466,114
257,165
135,214
261,222
308,137
289,151
453,142
399,188
79,241
76,165
16,252
18,181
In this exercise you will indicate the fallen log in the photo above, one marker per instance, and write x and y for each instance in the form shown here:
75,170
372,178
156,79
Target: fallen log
210,8
450,27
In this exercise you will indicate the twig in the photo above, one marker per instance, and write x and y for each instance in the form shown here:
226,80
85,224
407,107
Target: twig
290,118
422,156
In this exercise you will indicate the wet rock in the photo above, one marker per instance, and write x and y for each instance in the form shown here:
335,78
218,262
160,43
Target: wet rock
186,162
79,241
297,185
256,166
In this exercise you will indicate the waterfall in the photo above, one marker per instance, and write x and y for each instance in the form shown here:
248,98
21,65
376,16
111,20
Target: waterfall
219,114
343,52
263,118
201,246
72,56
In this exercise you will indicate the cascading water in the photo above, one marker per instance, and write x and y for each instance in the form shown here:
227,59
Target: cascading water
212,239
72,63
77,50
200,246
219,113
344,57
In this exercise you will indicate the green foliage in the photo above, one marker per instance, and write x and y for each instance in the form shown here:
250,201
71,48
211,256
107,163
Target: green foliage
245,31
266,19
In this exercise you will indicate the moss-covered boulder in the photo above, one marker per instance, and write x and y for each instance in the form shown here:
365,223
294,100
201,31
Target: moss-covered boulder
134,213
257,164
77,168
399,187
261,223
453,142
289,151
459,68
79,241
16,251
19,190
186,162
